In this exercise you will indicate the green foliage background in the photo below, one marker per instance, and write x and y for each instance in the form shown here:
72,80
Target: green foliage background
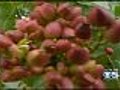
8,10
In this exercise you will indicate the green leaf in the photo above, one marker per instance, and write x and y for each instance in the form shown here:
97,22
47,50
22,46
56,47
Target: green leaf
1,85
112,84
35,82
98,52
8,11
7,18
117,10
86,6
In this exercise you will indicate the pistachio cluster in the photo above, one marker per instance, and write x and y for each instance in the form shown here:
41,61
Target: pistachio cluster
51,42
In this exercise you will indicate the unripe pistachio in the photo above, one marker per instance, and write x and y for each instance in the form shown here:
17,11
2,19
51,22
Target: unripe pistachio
15,51
78,21
99,85
109,51
5,42
15,35
43,13
39,35
38,58
101,17
68,33
49,45
6,76
78,55
113,34
83,31
53,77
63,45
99,70
75,12
90,66
64,9
19,72
53,30
5,64
27,26
66,83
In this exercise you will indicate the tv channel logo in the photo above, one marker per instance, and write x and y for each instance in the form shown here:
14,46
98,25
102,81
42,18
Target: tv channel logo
111,74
